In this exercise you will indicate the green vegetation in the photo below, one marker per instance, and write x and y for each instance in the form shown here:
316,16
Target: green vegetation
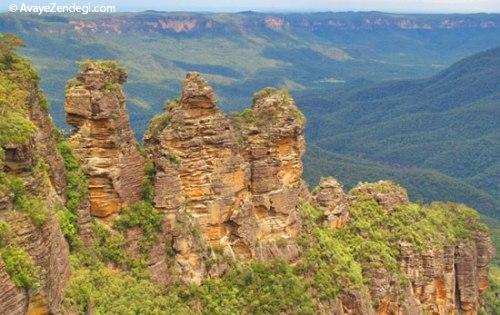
34,207
110,87
328,264
18,264
246,117
265,92
334,259
331,261
157,124
143,215
43,101
109,248
380,124
110,291
110,67
492,303
76,191
256,288
16,80
174,158
5,233
20,267
446,123
77,182
147,184
422,184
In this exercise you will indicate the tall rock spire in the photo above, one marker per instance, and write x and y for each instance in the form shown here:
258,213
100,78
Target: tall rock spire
240,177
103,139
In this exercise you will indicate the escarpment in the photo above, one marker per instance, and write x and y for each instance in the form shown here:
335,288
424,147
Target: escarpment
34,264
103,139
215,204
433,271
239,177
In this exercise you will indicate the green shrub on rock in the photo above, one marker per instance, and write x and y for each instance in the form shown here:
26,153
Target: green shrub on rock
20,267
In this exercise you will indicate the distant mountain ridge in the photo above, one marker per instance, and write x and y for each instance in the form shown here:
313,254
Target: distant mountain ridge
448,123
188,22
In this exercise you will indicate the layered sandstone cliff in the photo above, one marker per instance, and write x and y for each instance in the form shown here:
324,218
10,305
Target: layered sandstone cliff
103,139
225,191
239,178
444,279
32,187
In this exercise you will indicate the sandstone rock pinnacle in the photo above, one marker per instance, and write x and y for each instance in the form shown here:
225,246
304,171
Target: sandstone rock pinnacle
103,139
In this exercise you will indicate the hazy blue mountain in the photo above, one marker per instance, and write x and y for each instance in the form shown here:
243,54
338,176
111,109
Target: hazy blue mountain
448,123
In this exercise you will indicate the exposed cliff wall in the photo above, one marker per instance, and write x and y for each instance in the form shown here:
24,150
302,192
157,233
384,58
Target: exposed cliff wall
443,276
239,178
223,205
103,141
35,258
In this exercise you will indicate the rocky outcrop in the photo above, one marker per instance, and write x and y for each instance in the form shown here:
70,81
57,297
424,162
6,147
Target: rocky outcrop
40,172
330,196
450,279
387,194
103,140
229,189
239,179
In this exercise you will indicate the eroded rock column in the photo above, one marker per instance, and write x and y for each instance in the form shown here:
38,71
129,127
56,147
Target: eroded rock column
103,139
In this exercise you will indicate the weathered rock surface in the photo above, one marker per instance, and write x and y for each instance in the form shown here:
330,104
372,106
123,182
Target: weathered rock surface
447,280
239,180
13,299
44,243
330,196
229,188
104,142
385,193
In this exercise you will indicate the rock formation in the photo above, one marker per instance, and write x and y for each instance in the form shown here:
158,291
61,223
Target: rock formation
103,139
31,172
225,190
239,178
448,280
332,199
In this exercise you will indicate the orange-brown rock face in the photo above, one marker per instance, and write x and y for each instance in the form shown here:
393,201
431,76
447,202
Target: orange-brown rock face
332,199
450,279
104,142
39,167
239,180
272,134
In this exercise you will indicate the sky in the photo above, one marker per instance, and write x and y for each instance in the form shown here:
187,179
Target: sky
407,6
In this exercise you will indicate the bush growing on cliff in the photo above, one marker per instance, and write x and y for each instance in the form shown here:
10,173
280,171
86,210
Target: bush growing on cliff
106,66
144,216
76,191
492,296
77,181
328,263
157,124
256,288
109,247
69,228
17,82
265,92
34,207
20,267
5,233
147,183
